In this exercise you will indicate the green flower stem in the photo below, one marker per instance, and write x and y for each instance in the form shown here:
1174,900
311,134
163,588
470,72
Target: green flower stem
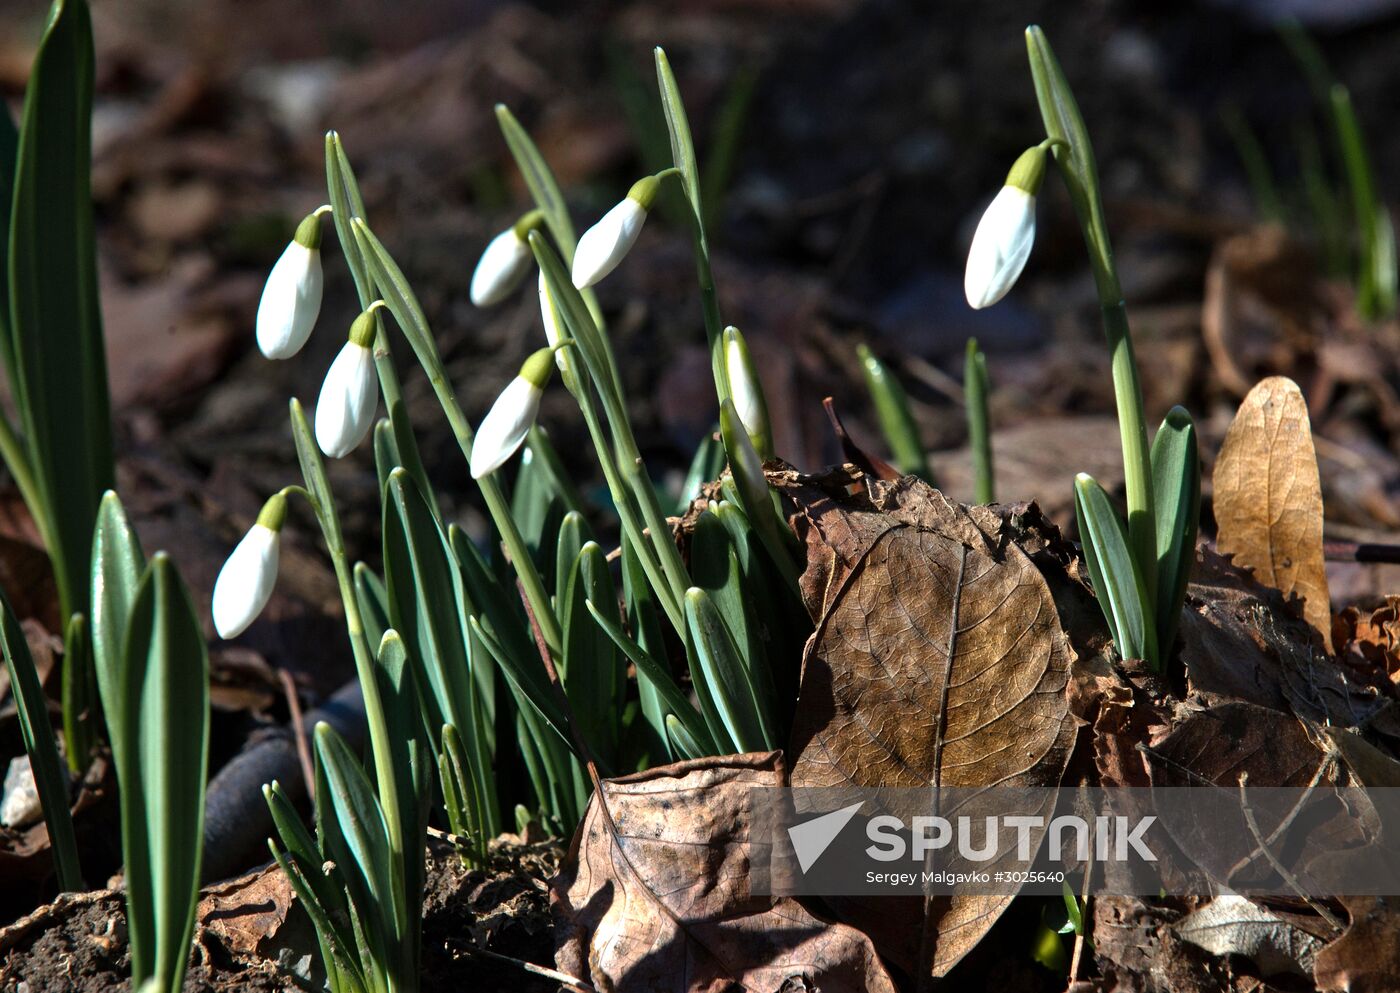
1074,155
627,513
499,507
628,456
319,498
979,429
688,170
402,303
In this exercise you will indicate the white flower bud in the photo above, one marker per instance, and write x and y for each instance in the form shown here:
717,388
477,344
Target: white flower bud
747,392
503,265
345,408
1002,243
1000,247
291,298
510,418
245,582
605,244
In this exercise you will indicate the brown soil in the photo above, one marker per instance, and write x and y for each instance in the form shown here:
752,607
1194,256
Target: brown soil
78,943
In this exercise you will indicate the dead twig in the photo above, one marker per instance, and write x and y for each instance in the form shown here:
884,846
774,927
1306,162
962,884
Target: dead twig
1278,866
563,979
289,688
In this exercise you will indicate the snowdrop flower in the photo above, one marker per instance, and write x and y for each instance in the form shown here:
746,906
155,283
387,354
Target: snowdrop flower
1004,236
505,425
504,263
345,408
246,580
747,392
291,298
605,244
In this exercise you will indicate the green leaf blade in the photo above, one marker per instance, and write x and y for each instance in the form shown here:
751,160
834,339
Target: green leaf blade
60,368
1117,580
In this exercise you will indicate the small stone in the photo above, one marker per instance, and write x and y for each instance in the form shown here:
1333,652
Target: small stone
20,807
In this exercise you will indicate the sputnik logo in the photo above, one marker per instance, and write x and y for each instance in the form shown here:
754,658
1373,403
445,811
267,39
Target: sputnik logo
811,838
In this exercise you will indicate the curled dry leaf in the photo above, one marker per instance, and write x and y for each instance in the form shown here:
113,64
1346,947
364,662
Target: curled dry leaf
1239,642
1268,498
1233,925
663,903
938,660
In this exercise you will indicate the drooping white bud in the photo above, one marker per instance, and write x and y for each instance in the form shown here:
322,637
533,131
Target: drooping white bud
345,408
606,243
245,582
503,265
1002,243
505,425
291,298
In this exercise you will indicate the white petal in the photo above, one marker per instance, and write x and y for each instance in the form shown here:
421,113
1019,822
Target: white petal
1000,247
291,301
741,389
245,582
505,426
345,409
603,245
501,268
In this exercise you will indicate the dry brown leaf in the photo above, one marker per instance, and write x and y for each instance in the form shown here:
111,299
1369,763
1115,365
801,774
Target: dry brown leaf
1234,925
1366,959
1268,498
1239,642
1371,636
664,905
938,660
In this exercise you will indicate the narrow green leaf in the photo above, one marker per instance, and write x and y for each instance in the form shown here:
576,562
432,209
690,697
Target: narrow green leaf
346,205
117,565
60,374
1176,480
527,675
896,419
752,492
80,703
1114,572
1376,263
678,128
683,156
167,672
726,677
596,677
342,971
373,600
1072,910
574,533
9,156
323,896
49,776
423,607
365,857
682,741
653,673
714,568
1060,113
411,756
539,179
644,617
977,389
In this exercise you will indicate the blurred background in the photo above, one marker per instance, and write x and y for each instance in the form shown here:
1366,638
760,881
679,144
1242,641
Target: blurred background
848,148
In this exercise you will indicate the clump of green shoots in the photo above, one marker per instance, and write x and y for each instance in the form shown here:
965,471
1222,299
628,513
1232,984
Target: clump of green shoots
515,654
1139,571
